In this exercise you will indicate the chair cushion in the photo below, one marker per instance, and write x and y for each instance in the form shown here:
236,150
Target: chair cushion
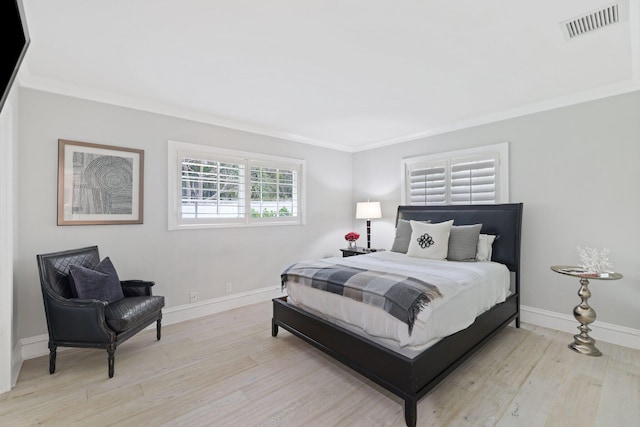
101,282
128,312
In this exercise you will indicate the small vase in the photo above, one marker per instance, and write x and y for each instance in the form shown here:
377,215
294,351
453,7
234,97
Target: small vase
352,245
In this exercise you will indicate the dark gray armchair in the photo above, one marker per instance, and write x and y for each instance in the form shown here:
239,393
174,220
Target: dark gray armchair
92,323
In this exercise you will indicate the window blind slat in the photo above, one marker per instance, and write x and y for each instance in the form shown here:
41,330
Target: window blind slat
485,180
487,196
428,200
471,187
486,164
423,184
473,174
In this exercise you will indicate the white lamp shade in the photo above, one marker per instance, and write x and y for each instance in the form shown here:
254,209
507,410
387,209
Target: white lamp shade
368,210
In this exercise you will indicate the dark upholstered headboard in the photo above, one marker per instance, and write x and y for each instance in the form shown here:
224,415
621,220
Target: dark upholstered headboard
504,220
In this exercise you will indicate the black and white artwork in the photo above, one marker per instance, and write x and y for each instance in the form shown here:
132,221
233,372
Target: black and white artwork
99,184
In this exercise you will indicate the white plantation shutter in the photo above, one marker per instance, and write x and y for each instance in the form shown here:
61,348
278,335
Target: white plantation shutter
475,176
473,181
427,184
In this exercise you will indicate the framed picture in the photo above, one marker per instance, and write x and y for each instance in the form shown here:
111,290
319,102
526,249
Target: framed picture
99,184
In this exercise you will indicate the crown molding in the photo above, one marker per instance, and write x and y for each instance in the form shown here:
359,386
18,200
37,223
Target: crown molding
31,81
539,107
28,80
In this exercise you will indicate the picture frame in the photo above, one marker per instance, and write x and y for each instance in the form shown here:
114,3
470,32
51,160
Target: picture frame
99,184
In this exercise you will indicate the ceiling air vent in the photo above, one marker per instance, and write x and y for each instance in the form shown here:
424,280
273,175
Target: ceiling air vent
595,20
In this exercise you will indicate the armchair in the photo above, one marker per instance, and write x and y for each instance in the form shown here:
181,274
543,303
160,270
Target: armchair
92,323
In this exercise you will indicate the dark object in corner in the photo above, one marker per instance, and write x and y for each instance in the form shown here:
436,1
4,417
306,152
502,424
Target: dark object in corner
15,41
92,323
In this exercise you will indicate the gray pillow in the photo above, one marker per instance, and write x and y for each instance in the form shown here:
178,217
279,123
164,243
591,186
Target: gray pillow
463,242
101,283
403,236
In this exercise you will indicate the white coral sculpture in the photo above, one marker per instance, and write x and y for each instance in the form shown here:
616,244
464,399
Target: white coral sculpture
594,261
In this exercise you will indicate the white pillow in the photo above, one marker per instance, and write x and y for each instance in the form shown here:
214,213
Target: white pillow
429,240
485,247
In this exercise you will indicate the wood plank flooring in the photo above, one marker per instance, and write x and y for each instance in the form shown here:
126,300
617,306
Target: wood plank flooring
227,370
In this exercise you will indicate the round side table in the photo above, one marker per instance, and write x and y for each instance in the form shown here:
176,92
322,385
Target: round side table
583,313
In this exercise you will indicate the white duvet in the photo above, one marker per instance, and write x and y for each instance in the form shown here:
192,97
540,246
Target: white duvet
468,288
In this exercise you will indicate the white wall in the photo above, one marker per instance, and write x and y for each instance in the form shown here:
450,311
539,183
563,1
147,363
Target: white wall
178,261
574,168
576,171
8,240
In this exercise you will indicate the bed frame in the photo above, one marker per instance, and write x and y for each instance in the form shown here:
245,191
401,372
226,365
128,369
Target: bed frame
412,379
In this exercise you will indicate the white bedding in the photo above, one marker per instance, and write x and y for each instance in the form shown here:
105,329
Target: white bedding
469,289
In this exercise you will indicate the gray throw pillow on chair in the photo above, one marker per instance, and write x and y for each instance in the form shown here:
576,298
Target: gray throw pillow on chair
101,282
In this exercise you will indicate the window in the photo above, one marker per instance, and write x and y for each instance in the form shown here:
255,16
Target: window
215,187
273,192
211,189
475,176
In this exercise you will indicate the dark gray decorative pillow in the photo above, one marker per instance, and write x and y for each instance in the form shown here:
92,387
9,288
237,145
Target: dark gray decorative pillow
403,236
463,242
101,283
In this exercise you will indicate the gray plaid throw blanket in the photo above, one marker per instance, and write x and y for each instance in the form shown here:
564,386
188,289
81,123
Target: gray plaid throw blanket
401,296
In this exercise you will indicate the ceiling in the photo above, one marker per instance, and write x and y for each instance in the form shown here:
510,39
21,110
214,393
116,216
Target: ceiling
344,74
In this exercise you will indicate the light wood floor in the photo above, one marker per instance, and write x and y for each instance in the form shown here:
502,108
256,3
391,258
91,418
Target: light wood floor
227,370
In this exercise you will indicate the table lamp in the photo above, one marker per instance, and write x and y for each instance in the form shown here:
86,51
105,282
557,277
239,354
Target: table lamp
368,210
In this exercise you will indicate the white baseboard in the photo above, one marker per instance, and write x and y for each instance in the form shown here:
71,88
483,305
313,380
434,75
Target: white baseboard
34,346
601,331
16,364
194,310
31,347
28,348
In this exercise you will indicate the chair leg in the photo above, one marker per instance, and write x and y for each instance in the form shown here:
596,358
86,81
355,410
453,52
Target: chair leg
111,351
158,327
52,358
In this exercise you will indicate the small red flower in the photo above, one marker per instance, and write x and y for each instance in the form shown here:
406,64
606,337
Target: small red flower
351,236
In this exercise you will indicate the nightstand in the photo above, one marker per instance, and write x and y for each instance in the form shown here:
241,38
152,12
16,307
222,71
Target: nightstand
584,314
358,251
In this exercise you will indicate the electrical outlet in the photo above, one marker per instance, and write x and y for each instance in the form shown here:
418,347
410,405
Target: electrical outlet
193,296
228,287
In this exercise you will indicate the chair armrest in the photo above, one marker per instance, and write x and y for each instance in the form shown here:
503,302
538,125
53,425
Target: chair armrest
77,320
136,288
86,303
135,283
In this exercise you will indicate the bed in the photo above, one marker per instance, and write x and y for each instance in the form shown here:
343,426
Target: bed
411,377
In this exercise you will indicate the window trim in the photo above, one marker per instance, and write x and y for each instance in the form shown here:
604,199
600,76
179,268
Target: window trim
177,149
501,150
